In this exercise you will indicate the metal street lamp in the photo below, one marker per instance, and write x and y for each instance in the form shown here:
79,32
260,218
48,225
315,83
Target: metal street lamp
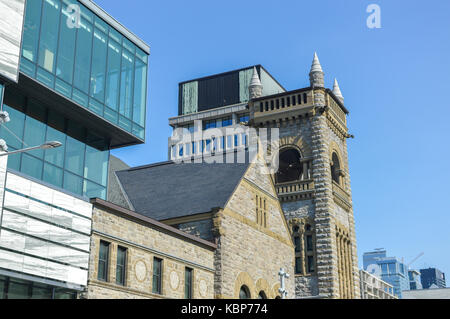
45,146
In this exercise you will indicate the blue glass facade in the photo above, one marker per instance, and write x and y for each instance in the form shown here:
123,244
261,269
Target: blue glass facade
80,165
91,64
2,88
393,271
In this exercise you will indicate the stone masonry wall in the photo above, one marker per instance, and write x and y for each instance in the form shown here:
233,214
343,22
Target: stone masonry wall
325,231
250,254
346,218
143,243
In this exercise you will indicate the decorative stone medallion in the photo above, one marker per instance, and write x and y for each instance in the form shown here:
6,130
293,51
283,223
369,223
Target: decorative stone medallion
174,280
203,288
140,270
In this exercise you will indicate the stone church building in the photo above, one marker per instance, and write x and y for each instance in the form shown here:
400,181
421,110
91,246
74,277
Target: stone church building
216,220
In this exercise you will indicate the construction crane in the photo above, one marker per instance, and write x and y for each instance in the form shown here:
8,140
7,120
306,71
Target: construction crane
418,256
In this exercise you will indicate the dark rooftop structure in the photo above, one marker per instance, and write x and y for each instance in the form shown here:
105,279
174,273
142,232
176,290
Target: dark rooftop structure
169,190
223,89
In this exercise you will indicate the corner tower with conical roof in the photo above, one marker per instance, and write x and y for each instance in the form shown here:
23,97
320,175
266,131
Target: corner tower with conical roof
313,183
255,88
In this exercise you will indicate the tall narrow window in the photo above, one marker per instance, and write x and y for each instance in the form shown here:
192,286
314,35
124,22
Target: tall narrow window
298,265
297,243
49,35
31,29
261,211
83,54
103,261
310,265
188,283
257,210
66,47
264,223
309,243
98,71
121,265
157,276
309,249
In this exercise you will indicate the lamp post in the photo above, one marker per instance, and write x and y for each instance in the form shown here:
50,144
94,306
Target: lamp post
4,118
45,146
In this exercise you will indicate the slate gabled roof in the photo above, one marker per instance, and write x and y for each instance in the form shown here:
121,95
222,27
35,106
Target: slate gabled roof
169,190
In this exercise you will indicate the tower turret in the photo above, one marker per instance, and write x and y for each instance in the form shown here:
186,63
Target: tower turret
255,87
337,91
316,75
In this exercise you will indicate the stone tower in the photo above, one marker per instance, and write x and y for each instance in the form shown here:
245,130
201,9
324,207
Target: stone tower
313,183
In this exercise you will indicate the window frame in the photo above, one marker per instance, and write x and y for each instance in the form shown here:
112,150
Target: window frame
105,261
157,289
188,284
124,266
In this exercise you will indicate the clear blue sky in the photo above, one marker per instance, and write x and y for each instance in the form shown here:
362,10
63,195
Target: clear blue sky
395,82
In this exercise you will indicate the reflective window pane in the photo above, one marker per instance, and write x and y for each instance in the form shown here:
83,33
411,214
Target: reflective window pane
55,156
53,175
49,35
98,65
74,156
65,294
41,292
31,29
18,289
126,83
83,56
34,135
73,183
96,166
66,48
12,132
14,161
113,73
31,166
93,190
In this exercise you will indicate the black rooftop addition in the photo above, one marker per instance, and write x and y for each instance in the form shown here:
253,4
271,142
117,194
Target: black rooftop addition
168,190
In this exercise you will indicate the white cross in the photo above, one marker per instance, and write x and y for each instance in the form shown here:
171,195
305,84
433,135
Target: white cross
283,275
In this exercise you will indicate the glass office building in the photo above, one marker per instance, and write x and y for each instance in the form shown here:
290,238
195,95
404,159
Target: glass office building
82,82
80,165
391,269
87,61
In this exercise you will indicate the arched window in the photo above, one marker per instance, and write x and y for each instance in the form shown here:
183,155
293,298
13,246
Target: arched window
244,293
335,168
262,295
290,168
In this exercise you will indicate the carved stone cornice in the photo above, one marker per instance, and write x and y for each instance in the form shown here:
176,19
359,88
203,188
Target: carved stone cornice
341,197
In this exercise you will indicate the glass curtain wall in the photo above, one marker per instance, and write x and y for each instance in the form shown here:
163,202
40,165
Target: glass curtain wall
91,63
1,94
80,165
12,288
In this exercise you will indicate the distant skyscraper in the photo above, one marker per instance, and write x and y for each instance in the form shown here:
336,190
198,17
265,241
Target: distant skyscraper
390,269
414,280
432,276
